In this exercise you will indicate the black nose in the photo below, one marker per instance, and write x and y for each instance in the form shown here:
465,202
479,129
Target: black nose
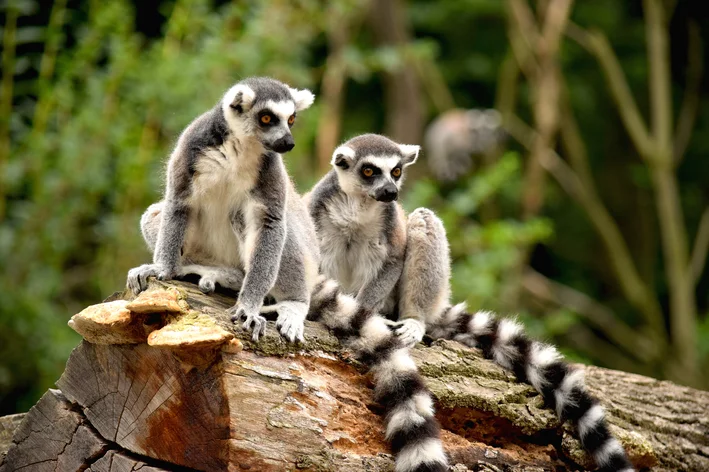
284,144
387,194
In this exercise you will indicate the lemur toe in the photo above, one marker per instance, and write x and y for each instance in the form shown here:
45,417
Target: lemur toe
410,332
138,277
206,285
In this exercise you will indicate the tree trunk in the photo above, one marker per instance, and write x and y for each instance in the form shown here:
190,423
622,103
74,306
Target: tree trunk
162,383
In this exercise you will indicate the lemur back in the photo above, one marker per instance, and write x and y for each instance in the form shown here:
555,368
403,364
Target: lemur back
407,277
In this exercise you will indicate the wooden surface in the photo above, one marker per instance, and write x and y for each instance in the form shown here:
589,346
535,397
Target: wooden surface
184,389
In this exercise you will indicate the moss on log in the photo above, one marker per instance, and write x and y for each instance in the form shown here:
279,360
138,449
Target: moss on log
165,382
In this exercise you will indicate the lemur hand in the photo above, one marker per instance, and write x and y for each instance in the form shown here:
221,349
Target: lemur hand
254,322
291,320
138,276
409,331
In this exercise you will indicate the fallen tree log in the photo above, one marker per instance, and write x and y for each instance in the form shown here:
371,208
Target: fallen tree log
164,382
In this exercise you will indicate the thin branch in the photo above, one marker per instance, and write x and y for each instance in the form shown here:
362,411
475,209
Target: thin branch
597,44
673,231
632,285
6,95
690,103
435,84
659,79
700,250
507,79
334,82
594,313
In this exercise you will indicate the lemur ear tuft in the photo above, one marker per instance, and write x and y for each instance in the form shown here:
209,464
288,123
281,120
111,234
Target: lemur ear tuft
343,157
240,97
410,152
302,98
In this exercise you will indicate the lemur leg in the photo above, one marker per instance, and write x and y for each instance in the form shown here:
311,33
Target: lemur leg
209,276
424,289
295,281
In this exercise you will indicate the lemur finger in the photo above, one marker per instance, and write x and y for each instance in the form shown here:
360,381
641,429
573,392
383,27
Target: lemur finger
236,313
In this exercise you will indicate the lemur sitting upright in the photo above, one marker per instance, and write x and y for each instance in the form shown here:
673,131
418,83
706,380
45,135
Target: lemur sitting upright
230,211
231,215
401,267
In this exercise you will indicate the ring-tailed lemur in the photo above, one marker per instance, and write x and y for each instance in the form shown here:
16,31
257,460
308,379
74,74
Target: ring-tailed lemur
230,204
401,267
230,214
454,137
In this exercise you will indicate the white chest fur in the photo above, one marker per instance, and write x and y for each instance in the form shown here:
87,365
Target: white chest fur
221,189
352,244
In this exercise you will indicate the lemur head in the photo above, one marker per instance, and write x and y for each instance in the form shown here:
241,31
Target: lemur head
372,165
265,109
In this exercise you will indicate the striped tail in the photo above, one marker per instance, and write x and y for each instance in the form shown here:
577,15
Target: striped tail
540,365
411,427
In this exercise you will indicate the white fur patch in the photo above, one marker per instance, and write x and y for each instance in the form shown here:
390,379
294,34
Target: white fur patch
424,404
403,418
611,448
410,152
248,96
344,151
507,330
390,370
374,331
303,98
427,451
571,380
503,352
480,323
385,163
282,110
540,356
590,419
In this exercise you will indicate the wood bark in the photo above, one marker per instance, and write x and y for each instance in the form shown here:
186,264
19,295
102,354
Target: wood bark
174,386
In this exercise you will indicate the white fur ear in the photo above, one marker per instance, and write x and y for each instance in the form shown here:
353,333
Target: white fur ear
240,97
302,98
410,152
343,157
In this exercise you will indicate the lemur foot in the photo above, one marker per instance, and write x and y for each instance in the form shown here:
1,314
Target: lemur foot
409,331
210,277
291,320
253,321
138,276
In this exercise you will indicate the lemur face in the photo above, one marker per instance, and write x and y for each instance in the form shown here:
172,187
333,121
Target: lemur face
373,166
266,109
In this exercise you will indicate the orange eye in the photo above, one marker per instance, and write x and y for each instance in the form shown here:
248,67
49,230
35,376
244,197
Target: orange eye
368,172
291,120
396,172
266,119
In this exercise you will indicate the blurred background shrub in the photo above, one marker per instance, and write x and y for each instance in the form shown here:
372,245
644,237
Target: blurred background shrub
583,208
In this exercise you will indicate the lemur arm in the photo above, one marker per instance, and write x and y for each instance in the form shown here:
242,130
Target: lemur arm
266,218
175,211
373,294
170,237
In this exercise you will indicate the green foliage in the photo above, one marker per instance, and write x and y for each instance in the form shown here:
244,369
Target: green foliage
97,104
89,142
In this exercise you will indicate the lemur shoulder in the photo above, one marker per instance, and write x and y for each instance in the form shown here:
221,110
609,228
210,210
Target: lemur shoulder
401,266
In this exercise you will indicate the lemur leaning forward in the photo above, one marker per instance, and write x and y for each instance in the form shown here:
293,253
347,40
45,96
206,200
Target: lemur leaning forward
231,215
401,267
